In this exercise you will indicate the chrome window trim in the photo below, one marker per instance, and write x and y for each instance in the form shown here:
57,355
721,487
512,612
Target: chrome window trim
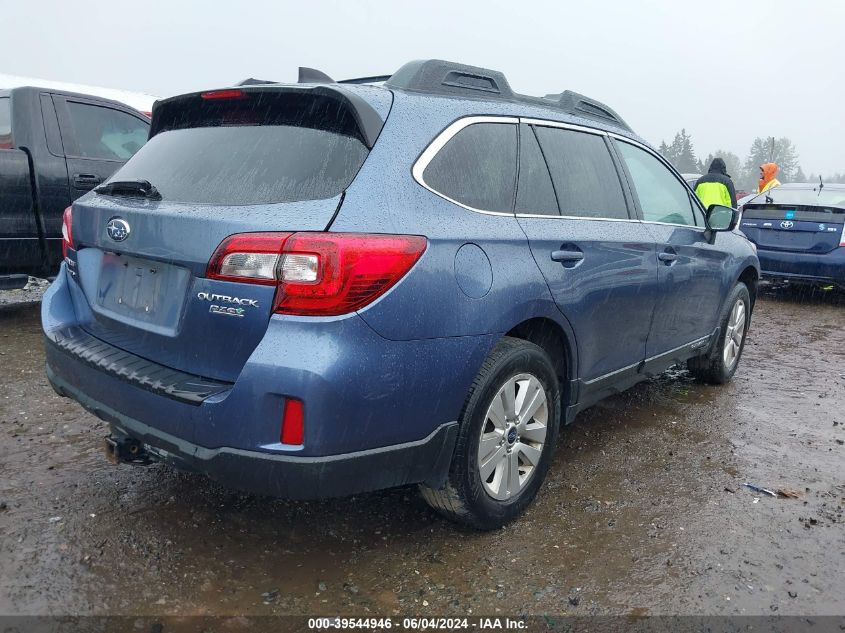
575,128
565,126
684,226
440,141
576,217
453,128
662,160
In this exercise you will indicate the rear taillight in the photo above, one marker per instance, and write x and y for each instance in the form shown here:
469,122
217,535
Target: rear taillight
67,236
317,274
248,258
842,239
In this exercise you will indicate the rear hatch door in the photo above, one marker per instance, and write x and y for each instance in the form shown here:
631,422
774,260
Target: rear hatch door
265,159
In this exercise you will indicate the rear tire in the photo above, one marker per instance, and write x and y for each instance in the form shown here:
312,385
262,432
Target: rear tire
720,365
508,430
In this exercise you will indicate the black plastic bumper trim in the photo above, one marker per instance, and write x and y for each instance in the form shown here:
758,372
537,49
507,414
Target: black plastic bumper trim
133,369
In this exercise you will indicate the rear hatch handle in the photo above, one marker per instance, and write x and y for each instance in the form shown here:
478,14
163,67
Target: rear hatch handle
131,188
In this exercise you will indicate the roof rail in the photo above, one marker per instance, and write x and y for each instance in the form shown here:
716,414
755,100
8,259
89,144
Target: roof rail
365,80
448,78
435,76
579,105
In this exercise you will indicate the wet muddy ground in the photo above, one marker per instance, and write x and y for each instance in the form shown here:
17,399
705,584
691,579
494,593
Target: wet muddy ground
644,510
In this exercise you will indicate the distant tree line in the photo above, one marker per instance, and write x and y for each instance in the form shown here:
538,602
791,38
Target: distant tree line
745,174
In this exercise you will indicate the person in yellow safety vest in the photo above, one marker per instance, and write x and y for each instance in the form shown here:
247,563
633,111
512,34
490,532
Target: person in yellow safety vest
716,186
767,177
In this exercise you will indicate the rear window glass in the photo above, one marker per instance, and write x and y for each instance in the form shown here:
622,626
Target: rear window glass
585,180
827,196
104,133
5,124
477,167
263,149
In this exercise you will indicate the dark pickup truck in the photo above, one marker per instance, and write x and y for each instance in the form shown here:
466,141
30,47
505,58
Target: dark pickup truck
54,147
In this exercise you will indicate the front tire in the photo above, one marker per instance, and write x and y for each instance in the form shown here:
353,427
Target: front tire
508,430
720,365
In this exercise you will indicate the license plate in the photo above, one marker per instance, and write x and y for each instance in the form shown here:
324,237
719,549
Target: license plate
141,290
137,284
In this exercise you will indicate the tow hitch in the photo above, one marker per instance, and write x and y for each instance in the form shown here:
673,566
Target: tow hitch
126,450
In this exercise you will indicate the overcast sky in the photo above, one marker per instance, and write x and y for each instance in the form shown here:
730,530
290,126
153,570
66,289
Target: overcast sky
726,71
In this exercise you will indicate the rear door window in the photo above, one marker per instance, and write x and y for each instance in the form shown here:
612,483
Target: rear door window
477,167
663,198
534,193
584,176
263,148
104,133
5,124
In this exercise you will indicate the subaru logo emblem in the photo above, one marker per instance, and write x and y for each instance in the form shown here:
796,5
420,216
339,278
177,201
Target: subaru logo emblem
118,229
786,224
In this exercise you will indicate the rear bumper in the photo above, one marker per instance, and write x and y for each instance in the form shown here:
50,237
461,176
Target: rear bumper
426,460
378,413
812,267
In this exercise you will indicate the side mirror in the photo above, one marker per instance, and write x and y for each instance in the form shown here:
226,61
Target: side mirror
722,218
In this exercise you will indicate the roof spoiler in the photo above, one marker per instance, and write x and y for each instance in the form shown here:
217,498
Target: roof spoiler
366,117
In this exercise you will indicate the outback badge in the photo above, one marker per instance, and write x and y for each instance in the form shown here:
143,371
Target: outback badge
229,310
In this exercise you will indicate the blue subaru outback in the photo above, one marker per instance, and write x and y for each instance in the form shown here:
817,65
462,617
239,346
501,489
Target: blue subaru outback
326,288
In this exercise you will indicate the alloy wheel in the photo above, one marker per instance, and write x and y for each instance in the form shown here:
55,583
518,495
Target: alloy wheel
734,335
512,436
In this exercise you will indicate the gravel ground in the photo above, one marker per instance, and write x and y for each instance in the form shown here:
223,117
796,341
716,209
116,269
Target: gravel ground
644,510
31,293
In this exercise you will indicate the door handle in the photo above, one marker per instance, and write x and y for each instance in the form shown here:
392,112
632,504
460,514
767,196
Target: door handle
567,256
85,181
667,257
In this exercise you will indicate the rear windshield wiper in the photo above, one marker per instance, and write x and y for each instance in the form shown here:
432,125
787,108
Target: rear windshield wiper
132,188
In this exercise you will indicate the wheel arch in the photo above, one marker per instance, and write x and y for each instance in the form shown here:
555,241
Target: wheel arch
750,277
558,343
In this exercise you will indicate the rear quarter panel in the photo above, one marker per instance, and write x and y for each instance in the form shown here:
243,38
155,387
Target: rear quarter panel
501,287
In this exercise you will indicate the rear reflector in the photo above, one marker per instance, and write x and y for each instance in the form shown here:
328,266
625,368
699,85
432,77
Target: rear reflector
317,274
293,423
223,94
67,236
